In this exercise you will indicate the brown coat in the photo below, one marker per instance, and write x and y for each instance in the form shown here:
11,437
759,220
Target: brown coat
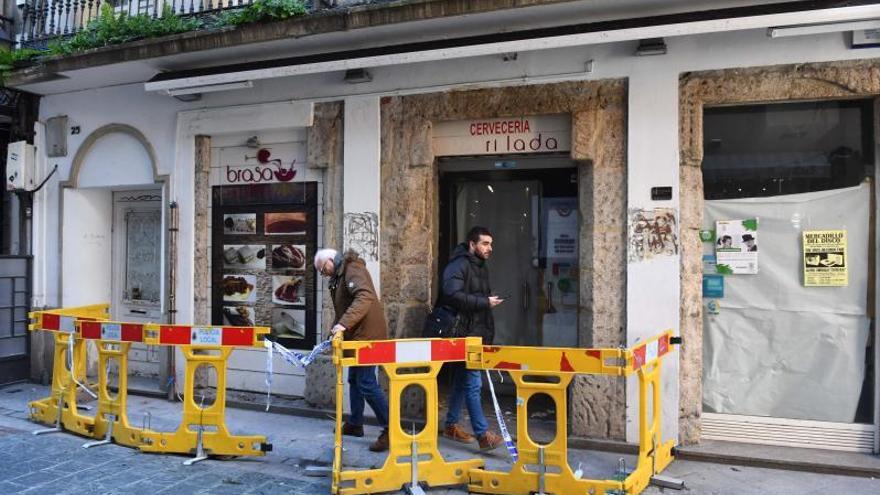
355,302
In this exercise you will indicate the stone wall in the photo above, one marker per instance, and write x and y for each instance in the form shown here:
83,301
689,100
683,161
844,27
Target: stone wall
410,216
325,152
838,80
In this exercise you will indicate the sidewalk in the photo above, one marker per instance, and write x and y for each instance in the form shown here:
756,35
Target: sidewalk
56,463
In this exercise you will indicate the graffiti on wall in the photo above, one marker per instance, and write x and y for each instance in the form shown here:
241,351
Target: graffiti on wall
652,232
361,233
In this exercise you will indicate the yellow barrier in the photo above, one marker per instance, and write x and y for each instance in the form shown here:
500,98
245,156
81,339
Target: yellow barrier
544,468
406,362
202,430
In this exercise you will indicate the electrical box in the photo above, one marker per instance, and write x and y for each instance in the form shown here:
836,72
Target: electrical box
20,158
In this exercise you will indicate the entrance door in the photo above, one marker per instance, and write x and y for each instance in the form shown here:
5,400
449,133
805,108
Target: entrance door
520,208
14,305
137,277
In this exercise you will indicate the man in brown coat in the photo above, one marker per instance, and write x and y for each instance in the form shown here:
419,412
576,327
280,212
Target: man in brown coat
359,316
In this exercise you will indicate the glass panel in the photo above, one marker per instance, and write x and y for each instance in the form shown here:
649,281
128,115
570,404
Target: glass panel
5,323
773,346
15,346
508,210
768,150
143,237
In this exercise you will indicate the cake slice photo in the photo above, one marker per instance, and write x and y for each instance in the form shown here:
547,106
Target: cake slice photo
244,256
289,256
288,290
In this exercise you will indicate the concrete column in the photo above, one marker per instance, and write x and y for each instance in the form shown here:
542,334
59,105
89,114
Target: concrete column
653,161
362,181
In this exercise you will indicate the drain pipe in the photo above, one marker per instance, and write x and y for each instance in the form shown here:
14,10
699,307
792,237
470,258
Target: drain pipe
173,227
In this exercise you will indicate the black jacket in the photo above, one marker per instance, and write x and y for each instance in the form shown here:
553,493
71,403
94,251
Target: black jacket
466,290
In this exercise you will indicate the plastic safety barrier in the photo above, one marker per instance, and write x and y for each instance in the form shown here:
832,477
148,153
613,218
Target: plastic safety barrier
202,430
544,468
412,456
539,468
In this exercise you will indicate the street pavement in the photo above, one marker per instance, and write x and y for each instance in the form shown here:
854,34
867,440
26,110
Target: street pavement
57,464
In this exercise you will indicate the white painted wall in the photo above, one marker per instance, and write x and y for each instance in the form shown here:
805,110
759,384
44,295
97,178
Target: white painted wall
361,181
88,217
652,287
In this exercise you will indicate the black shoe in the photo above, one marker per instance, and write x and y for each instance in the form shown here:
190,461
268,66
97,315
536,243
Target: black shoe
350,430
381,443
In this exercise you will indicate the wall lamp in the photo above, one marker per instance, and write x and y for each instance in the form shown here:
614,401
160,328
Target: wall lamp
831,27
651,46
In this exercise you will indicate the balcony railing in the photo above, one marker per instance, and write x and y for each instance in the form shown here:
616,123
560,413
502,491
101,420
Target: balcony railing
46,20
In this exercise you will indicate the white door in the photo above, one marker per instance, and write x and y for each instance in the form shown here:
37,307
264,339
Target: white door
137,275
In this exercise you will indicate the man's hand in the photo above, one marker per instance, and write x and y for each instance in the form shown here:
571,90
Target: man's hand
495,301
337,330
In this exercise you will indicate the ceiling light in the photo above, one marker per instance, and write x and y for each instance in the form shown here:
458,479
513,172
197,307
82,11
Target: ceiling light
209,88
651,46
832,27
357,76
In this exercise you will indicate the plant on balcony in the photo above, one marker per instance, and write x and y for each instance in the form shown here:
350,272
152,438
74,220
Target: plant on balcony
111,29
264,10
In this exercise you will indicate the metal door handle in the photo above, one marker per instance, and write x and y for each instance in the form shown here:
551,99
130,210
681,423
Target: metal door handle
525,297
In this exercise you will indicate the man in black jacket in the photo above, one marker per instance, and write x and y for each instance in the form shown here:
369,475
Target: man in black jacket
466,289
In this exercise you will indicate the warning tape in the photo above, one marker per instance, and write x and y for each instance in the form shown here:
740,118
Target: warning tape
292,357
508,440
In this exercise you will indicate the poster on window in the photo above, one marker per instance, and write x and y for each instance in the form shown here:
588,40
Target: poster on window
825,258
736,246
562,228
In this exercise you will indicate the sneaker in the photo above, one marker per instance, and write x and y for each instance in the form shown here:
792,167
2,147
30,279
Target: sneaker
490,440
458,434
381,443
351,430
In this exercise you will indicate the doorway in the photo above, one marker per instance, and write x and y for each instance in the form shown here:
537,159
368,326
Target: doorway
531,207
137,252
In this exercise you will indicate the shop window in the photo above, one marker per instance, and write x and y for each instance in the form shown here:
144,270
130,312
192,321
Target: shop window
777,343
786,148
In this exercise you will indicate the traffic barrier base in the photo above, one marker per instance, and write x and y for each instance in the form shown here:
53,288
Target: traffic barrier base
406,362
203,430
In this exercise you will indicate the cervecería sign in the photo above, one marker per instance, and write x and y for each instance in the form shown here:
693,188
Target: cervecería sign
514,135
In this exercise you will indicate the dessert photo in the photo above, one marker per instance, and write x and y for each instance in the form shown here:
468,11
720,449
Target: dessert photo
289,323
239,288
240,223
289,256
288,290
238,316
285,223
251,256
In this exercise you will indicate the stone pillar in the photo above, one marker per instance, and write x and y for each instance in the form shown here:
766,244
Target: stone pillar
201,297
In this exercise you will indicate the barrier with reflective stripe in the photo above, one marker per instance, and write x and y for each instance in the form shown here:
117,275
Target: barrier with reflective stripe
202,430
539,370
406,362
538,468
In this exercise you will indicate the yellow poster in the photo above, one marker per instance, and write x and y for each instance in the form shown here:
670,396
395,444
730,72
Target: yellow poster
825,258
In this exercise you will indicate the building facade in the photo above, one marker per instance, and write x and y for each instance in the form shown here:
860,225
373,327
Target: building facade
609,165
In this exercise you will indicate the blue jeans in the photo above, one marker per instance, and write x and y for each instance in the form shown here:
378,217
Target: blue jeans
365,387
466,386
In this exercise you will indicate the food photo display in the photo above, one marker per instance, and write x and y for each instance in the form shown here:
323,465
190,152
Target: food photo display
248,256
239,288
288,290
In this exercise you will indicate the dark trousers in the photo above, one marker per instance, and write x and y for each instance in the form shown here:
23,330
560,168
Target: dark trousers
365,388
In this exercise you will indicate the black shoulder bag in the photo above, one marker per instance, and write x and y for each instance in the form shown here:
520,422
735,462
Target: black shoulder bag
443,321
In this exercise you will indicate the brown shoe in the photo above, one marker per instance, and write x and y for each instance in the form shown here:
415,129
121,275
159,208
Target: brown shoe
381,443
350,430
458,434
490,440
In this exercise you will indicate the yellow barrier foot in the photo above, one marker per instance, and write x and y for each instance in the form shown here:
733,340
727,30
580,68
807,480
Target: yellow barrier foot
57,427
108,436
667,482
200,450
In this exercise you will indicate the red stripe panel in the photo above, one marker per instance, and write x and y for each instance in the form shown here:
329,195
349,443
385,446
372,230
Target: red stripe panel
504,365
51,322
663,345
174,335
594,354
238,336
90,329
564,365
447,350
378,353
132,332
639,357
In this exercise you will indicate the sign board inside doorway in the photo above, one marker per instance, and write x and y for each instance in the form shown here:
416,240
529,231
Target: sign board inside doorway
510,135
